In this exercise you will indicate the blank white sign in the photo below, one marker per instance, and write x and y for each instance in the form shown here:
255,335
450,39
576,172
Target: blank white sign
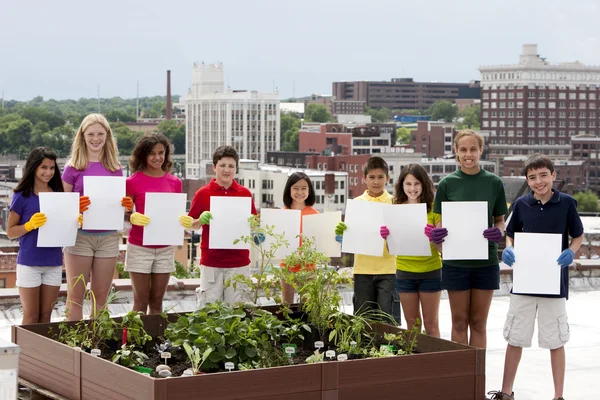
363,220
465,222
105,211
229,222
406,223
535,270
321,229
62,213
164,211
286,222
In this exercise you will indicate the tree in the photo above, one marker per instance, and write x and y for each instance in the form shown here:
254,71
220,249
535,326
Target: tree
470,118
317,113
289,127
119,116
403,136
587,201
379,115
442,110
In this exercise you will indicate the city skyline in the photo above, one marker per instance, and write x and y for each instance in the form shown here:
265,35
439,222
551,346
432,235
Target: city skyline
56,52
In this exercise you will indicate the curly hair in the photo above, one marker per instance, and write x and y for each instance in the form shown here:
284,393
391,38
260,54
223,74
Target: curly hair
144,146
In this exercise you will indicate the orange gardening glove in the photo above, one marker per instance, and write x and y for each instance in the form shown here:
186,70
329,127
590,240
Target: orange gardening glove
127,202
84,203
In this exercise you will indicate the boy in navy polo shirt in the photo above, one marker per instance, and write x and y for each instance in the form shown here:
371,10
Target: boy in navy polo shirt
219,265
543,210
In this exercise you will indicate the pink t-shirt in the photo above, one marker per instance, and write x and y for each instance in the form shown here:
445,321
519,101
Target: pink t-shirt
136,187
74,176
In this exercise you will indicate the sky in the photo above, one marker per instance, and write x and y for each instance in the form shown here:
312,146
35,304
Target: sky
68,49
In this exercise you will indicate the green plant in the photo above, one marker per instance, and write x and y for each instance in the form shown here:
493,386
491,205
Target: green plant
135,328
121,271
350,334
127,356
181,272
315,358
195,357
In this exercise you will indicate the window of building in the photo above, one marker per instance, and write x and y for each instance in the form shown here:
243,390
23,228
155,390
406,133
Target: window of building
336,199
318,185
341,184
342,199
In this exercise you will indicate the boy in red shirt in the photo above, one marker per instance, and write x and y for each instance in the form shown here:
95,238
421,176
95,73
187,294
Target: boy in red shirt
219,265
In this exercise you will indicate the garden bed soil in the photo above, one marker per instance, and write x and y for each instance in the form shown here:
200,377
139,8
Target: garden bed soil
440,370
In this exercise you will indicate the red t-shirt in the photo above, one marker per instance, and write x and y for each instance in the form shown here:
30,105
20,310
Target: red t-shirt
219,258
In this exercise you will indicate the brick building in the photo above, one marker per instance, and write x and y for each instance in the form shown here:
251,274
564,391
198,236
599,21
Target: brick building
572,171
586,148
404,93
536,106
319,138
352,107
433,139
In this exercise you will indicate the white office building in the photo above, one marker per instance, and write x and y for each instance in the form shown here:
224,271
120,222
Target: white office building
216,116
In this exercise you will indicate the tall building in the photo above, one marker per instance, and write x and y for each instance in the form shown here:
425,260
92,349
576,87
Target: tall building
404,93
433,139
215,116
536,106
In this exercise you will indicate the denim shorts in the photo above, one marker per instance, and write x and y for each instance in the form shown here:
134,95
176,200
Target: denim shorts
418,285
465,278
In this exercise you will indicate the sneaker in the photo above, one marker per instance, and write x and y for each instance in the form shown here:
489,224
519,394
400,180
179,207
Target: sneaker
560,398
498,395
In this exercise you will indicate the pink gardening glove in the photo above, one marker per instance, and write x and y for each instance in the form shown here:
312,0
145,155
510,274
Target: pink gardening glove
384,231
428,229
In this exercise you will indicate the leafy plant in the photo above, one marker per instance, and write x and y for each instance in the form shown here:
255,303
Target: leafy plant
317,357
135,328
349,333
181,272
127,356
195,357
121,271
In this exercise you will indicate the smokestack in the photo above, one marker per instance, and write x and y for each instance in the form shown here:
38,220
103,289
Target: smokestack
169,105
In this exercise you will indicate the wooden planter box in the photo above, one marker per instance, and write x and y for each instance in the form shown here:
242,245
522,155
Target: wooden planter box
441,370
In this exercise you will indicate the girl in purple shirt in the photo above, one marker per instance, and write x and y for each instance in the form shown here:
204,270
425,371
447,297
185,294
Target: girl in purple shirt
39,269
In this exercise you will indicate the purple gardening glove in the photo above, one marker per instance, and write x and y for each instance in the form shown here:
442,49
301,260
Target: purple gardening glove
384,231
438,235
428,229
493,234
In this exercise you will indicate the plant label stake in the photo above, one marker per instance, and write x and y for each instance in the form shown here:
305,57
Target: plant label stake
289,349
229,366
330,354
165,355
342,357
95,352
319,345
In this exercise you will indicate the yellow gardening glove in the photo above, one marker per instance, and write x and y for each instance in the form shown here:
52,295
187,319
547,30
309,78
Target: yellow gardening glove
139,219
80,220
205,218
38,219
186,221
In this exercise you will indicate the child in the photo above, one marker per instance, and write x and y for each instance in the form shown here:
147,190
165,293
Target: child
374,277
93,153
150,266
39,269
471,283
219,265
419,279
299,194
543,210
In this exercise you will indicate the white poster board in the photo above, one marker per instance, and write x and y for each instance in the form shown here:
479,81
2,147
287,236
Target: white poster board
465,222
406,223
164,211
62,214
105,211
363,220
535,270
286,222
229,222
321,227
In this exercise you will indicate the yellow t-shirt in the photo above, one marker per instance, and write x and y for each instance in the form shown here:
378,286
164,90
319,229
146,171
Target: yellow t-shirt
422,263
373,265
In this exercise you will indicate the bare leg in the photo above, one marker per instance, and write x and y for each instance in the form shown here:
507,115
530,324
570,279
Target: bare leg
481,300
430,303
158,287
103,271
30,304
48,295
140,284
558,359
78,274
460,304
410,307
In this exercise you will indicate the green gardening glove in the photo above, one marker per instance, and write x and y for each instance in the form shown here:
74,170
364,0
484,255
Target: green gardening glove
340,228
205,218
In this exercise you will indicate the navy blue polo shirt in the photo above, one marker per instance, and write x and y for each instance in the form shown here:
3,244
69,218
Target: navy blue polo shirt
558,215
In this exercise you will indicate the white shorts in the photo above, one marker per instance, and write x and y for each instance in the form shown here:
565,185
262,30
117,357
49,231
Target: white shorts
30,277
212,286
553,326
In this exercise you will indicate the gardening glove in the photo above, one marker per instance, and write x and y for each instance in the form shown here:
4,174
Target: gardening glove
127,202
186,221
438,235
205,218
493,234
84,203
384,231
508,256
259,238
80,221
340,228
566,258
339,239
428,229
38,219
139,219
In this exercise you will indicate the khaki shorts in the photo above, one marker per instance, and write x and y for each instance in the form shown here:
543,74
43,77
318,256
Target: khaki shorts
90,245
147,260
212,286
553,326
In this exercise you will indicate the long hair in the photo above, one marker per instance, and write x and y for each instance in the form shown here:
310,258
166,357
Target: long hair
79,152
426,184
292,180
35,158
144,146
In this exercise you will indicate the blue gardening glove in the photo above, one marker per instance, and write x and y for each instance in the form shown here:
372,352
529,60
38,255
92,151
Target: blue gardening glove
508,256
259,238
566,258
339,239
493,234
438,235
